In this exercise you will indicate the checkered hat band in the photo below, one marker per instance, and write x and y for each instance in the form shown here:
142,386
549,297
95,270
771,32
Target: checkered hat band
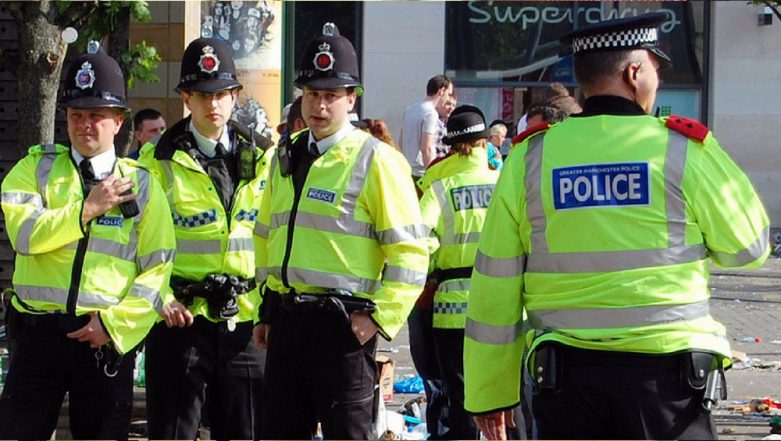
629,38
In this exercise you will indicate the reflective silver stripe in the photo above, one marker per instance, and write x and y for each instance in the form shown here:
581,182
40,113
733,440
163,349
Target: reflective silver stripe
113,248
492,334
261,274
48,148
674,164
532,183
280,219
343,224
240,244
149,294
330,280
168,185
499,267
542,261
42,172
600,318
186,246
20,198
404,275
26,231
142,196
606,261
96,300
455,285
155,258
461,239
358,177
261,230
747,255
41,293
402,234
448,217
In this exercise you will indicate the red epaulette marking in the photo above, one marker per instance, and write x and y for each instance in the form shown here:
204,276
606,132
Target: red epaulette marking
689,127
530,131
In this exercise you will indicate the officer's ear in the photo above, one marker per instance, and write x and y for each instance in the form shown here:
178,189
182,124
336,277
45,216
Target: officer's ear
352,96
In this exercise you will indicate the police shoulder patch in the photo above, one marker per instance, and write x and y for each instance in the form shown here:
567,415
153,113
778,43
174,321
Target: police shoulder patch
530,131
688,127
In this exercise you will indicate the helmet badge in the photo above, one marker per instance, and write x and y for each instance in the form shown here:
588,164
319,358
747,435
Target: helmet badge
208,62
85,77
324,60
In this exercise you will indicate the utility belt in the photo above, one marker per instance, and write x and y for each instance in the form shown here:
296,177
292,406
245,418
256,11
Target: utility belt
443,275
107,359
334,301
698,370
219,290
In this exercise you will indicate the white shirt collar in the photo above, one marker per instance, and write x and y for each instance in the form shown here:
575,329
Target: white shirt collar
326,143
208,146
102,163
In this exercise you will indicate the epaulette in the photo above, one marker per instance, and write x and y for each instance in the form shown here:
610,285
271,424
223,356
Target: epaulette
530,131
47,149
688,127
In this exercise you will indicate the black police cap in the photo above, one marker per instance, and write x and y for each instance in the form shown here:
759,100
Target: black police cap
94,80
639,32
465,124
207,66
329,62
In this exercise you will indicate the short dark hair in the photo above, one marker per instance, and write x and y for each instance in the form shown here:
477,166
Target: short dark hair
436,83
591,68
145,114
556,107
294,113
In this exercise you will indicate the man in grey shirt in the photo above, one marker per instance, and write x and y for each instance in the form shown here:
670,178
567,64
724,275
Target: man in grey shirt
421,120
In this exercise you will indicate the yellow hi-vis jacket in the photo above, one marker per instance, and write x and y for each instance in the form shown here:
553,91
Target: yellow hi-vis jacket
454,208
209,240
116,266
602,227
356,227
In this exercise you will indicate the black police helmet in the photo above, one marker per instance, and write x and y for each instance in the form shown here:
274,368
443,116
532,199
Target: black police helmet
465,124
207,66
94,80
329,62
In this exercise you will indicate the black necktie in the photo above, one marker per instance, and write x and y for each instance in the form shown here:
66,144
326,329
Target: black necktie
219,150
87,174
313,149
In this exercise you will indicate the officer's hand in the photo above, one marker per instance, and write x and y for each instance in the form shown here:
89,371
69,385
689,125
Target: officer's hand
260,332
363,326
92,332
176,314
106,195
494,425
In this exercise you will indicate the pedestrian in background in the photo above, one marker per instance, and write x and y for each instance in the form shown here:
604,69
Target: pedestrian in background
623,345
147,125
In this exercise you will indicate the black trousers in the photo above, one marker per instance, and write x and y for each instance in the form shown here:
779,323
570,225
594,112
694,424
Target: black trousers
449,345
609,395
204,371
424,357
44,365
317,371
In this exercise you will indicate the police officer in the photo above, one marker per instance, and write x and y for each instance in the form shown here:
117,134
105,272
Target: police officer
603,227
457,191
94,253
340,244
214,174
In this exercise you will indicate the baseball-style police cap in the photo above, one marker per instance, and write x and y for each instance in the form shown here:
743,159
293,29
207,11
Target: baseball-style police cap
640,32
94,80
329,62
465,124
207,66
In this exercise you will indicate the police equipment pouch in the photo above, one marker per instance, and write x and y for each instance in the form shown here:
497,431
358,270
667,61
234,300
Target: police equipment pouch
246,161
547,368
703,371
